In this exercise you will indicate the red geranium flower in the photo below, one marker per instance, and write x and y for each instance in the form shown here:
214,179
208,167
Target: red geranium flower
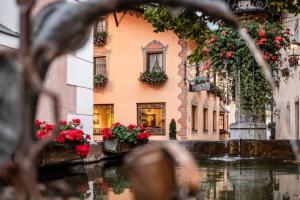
142,127
205,49
48,127
274,58
38,123
106,133
88,137
116,124
76,122
131,127
70,134
78,134
221,54
61,138
261,33
278,38
143,136
63,122
266,56
82,150
228,54
204,67
42,134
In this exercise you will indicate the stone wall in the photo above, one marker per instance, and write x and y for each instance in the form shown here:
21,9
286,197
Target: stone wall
260,149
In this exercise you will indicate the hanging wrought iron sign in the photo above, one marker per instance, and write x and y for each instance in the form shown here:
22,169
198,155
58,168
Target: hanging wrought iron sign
196,81
199,87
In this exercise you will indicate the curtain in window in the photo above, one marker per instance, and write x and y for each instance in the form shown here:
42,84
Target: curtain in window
155,62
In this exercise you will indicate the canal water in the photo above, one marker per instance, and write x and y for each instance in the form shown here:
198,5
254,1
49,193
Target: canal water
234,180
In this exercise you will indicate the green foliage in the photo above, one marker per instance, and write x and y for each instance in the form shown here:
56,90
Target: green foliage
188,24
278,6
217,91
100,80
172,129
100,38
225,51
153,78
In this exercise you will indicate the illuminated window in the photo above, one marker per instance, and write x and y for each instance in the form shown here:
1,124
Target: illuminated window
152,116
100,66
194,118
205,119
101,24
103,117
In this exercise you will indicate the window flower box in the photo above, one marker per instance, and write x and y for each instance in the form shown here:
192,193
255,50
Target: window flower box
100,38
122,139
100,81
153,78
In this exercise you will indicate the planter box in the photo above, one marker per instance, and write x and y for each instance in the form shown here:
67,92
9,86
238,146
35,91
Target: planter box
114,146
58,154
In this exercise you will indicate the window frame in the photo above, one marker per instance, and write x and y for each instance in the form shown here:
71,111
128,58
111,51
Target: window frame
112,117
95,65
153,105
153,47
148,53
194,120
205,120
215,128
104,18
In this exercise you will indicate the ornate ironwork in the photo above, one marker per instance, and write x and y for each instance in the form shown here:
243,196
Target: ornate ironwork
248,5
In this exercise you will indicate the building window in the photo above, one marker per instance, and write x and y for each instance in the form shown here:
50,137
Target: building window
194,118
154,56
152,116
297,122
101,24
100,66
214,120
155,62
288,119
103,117
222,122
205,119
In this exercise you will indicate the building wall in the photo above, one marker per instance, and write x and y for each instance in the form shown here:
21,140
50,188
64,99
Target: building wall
125,63
124,54
288,92
71,77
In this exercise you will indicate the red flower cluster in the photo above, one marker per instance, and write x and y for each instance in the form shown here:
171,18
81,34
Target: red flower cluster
143,136
76,122
106,133
70,135
44,130
131,133
82,149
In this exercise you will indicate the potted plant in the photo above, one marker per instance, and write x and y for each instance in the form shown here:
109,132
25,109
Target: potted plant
121,139
70,143
153,78
100,38
100,81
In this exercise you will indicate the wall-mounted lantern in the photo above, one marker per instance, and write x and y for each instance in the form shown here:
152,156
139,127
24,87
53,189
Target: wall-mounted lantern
294,58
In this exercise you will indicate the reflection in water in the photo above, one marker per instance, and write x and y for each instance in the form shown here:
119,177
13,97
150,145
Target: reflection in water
239,180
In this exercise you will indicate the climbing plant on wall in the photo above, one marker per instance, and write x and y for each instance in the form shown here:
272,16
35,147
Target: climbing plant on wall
223,51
